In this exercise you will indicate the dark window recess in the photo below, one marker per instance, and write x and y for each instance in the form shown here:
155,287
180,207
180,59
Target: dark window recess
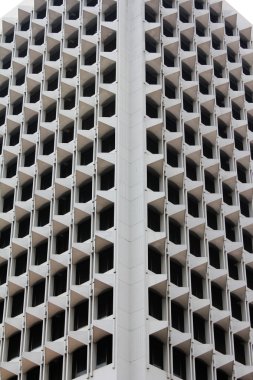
17,107
217,296
227,194
50,114
3,273
233,267
106,219
151,109
6,62
107,179
108,142
11,169
91,27
5,236
230,229
82,271
170,90
168,3
176,273
90,57
8,202
173,193
109,108
236,111
229,29
250,122
29,158
4,88
17,304
206,116
220,99
74,13
188,103
154,217
199,328
84,230
241,173
202,57
20,78
195,244
231,55
201,370
54,54
168,29
185,43
248,95
20,265
171,122
104,351
154,260
89,88
111,13
85,192
66,168
200,29
46,179
52,83
214,16
41,13
222,129
244,42
216,43
186,72
203,86
37,66
174,231
25,24
233,83
247,241
2,116
56,25
189,135
60,282
26,191
150,44
172,157
150,14
105,259
155,302
239,349
219,339
55,369
224,161
197,284
105,304
169,59
218,70
43,215
1,311
177,316
110,43
91,3
32,125
183,15
68,133
22,51
79,362
39,38
152,143
207,148
191,170
88,121
14,137
81,314
212,218
250,312
179,363
70,101
58,325
199,4
109,75
155,352
153,179
236,307
24,226
72,41
62,242
38,293
246,68
64,203
35,336
193,205
14,346
214,256
48,146
33,374
41,253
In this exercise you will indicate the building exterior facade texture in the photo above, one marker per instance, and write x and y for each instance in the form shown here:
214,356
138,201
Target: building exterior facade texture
126,185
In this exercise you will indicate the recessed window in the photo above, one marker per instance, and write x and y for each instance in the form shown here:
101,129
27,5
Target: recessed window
81,311
79,362
106,259
38,293
82,271
104,351
35,336
58,325
55,369
156,352
105,304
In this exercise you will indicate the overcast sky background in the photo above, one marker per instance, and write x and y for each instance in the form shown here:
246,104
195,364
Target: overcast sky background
245,7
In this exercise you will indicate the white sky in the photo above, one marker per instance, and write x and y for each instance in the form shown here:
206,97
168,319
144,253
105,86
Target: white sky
245,7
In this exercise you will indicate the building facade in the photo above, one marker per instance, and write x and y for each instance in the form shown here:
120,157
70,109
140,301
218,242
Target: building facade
126,185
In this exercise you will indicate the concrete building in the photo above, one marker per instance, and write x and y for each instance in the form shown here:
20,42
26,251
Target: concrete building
126,185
